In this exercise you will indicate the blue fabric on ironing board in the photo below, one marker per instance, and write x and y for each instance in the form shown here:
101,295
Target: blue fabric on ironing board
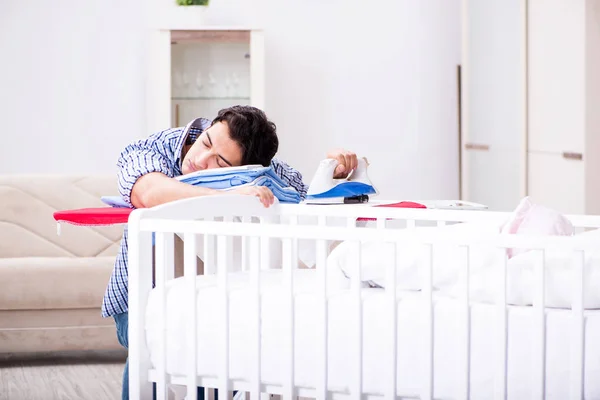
114,201
226,179
283,194
264,176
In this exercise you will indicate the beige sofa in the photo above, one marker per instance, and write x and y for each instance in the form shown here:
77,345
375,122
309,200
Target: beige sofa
52,286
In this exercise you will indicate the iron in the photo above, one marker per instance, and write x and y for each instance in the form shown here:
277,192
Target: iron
324,189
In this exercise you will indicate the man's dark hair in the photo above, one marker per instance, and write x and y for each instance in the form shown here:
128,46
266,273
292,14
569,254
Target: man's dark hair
255,134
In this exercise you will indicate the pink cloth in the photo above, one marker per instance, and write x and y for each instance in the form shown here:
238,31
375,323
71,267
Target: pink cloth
534,219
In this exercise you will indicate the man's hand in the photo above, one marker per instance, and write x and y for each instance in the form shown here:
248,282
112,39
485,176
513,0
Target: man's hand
262,192
347,162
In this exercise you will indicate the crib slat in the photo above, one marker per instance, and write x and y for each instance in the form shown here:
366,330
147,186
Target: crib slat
381,222
190,272
577,328
427,390
351,222
209,253
223,288
539,331
265,247
465,327
140,285
410,223
229,243
356,283
164,267
500,381
245,246
288,282
254,247
321,265
390,292
294,222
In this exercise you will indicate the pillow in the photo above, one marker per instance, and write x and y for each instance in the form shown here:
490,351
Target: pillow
514,221
535,219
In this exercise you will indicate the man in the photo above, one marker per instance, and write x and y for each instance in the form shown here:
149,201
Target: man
239,135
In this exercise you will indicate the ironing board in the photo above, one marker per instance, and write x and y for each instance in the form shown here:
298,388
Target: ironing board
95,216
103,216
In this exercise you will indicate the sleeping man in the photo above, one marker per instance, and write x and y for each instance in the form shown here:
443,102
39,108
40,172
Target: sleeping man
239,135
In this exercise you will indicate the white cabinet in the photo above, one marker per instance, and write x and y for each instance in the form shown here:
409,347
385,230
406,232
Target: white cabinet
556,76
557,182
492,174
194,70
536,129
493,102
563,104
211,70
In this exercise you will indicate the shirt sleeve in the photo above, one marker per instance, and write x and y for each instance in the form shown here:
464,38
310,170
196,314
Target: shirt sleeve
291,176
142,157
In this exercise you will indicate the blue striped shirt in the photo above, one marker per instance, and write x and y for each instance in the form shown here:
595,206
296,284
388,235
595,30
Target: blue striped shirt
162,152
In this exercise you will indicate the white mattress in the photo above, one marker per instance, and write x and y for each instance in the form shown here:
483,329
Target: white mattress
341,339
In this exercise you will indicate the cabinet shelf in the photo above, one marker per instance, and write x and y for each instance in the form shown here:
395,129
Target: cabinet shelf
209,98
197,71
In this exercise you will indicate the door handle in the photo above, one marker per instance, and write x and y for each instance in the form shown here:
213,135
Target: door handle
572,156
477,146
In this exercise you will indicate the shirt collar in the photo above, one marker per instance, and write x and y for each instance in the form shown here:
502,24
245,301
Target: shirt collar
188,137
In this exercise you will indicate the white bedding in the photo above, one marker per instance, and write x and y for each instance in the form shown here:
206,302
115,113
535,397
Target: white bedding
486,263
341,339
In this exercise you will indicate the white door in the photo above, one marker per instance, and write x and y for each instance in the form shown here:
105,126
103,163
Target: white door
493,177
493,108
556,76
557,181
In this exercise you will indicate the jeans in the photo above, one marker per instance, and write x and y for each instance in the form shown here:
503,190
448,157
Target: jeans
122,322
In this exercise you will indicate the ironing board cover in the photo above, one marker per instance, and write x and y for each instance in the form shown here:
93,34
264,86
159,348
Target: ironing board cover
402,204
120,215
94,216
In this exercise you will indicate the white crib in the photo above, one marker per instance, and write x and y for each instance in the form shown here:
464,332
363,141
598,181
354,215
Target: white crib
292,332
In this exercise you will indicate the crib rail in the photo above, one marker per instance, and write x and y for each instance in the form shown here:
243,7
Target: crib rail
255,238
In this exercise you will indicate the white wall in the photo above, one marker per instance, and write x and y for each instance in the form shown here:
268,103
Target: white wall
377,77
70,89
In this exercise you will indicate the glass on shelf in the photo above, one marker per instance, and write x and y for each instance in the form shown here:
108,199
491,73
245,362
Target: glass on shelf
210,71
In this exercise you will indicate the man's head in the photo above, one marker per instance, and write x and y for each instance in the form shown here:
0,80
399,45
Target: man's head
239,135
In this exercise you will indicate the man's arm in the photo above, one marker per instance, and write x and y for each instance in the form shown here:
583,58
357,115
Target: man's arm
153,155
157,188
146,174
146,169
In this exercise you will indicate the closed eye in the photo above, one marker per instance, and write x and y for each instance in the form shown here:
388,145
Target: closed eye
219,157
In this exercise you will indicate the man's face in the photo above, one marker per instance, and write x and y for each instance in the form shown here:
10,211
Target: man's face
213,149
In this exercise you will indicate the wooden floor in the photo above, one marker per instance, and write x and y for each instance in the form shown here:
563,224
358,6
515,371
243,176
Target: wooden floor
62,376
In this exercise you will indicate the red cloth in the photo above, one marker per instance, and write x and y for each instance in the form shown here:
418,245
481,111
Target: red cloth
402,204
94,216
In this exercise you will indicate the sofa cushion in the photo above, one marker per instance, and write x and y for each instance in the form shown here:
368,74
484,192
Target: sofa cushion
27,226
37,283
